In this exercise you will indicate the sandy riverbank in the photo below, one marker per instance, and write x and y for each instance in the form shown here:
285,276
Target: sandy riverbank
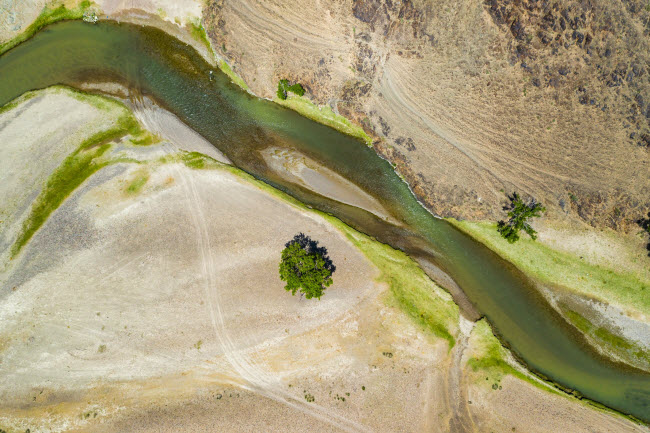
149,301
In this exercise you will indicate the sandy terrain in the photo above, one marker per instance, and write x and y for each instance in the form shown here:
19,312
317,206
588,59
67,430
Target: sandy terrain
301,170
161,310
29,155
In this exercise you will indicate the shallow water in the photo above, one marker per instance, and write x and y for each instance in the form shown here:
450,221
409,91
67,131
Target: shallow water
154,64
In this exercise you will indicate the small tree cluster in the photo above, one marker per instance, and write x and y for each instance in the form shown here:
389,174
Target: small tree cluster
519,212
284,87
306,267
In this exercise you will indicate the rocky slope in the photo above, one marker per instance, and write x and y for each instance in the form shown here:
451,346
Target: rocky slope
471,99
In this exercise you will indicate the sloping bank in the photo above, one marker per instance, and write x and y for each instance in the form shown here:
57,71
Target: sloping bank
609,304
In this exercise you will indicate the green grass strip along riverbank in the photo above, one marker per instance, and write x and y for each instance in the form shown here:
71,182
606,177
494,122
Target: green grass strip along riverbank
560,269
412,291
49,15
88,158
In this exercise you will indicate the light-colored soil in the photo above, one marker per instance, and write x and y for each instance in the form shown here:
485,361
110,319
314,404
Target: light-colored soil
509,409
161,310
29,155
301,170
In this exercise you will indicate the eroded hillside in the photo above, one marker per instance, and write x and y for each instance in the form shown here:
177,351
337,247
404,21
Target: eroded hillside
471,99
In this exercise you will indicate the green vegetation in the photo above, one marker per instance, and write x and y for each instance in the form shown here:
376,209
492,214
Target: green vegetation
412,290
560,269
47,16
284,87
226,69
194,160
489,359
324,115
198,32
306,267
136,185
75,169
613,343
518,216
489,356
78,166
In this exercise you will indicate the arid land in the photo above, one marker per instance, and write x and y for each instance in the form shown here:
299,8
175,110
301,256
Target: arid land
159,357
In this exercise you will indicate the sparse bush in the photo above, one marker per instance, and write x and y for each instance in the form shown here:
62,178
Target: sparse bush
306,267
284,87
644,223
518,216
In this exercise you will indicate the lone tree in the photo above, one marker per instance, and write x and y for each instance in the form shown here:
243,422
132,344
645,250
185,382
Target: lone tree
284,87
518,216
306,267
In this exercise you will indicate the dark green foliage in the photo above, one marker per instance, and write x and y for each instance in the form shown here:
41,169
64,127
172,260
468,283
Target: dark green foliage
284,87
297,89
518,216
306,267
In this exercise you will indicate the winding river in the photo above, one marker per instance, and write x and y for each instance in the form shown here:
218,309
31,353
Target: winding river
174,75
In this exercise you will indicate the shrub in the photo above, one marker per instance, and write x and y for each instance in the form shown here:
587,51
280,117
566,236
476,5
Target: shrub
306,267
518,216
284,87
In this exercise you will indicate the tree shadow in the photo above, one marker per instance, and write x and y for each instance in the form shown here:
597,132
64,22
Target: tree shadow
644,223
311,246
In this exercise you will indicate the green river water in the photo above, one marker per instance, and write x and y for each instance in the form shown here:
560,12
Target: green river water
154,64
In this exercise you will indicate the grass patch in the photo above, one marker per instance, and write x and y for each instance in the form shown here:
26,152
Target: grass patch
562,269
324,115
226,69
606,339
198,33
75,169
489,360
412,290
49,15
193,160
16,102
87,159
136,185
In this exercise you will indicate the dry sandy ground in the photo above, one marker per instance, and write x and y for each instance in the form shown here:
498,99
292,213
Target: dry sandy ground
162,311
301,170
29,155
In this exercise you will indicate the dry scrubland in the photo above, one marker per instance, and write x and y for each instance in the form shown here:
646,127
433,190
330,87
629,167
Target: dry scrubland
472,98
149,300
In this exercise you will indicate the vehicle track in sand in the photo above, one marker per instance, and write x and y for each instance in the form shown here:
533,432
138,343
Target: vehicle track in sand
255,378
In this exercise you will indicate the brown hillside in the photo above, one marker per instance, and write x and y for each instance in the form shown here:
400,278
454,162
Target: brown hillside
471,99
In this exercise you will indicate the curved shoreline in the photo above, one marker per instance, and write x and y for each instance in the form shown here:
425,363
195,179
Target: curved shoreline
529,369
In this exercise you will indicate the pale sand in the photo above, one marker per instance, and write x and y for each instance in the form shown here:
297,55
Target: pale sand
297,168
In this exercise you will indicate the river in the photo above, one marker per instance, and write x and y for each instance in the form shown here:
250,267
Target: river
174,75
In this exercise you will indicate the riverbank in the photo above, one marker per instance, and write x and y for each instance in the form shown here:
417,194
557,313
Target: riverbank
597,279
146,297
